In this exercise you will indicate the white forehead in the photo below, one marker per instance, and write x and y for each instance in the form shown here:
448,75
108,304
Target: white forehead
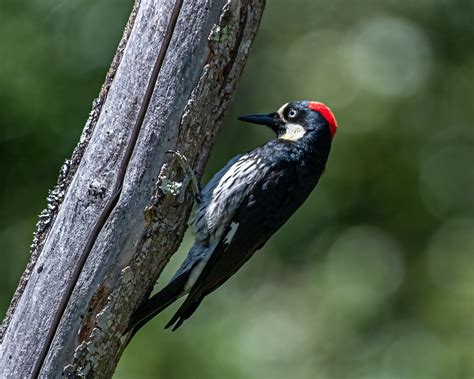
281,110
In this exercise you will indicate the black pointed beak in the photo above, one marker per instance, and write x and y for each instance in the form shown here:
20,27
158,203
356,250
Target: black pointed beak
272,120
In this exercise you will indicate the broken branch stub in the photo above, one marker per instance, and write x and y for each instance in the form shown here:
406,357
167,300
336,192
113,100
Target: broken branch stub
121,212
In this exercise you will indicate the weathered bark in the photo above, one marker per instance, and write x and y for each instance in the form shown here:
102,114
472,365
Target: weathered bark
117,213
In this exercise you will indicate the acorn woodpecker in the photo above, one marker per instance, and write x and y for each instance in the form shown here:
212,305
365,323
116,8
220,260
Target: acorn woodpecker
245,203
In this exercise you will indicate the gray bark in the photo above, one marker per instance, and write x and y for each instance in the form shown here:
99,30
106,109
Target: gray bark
117,214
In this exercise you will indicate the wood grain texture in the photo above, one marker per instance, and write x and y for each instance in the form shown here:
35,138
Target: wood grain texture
197,79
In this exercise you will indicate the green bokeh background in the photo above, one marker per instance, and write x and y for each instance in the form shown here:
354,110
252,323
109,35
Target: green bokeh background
374,276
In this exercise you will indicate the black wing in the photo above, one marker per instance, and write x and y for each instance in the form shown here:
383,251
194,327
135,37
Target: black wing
271,201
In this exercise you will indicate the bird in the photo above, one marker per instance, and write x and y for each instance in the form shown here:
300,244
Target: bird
245,203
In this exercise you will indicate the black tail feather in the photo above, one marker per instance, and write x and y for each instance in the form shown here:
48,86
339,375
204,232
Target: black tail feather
184,312
157,303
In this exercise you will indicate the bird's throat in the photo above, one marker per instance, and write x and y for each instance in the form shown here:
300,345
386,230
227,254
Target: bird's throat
292,132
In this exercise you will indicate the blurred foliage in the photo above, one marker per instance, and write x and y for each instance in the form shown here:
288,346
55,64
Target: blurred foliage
374,275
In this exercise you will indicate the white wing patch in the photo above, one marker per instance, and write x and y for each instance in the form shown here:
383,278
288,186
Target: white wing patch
230,235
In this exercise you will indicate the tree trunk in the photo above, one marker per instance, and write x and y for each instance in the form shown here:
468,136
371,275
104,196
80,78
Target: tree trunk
120,208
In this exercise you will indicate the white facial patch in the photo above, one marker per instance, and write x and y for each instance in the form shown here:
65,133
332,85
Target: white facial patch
293,132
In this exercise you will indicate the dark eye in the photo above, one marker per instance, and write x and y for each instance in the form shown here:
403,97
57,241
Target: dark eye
292,113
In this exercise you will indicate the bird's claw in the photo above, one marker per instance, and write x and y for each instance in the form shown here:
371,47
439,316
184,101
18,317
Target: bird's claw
198,197
183,162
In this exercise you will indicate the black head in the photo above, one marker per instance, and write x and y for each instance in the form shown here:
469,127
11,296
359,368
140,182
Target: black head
296,119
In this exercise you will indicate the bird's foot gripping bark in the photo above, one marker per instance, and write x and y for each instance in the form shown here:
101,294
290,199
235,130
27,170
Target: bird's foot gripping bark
183,162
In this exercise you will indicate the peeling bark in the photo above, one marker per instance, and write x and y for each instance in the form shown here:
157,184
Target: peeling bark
136,222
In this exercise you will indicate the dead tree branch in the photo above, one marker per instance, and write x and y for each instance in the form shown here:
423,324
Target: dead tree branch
118,212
